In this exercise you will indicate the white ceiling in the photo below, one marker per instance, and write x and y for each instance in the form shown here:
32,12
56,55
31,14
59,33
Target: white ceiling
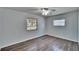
36,10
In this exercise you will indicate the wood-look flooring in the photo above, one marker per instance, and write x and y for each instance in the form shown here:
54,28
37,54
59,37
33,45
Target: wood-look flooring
44,43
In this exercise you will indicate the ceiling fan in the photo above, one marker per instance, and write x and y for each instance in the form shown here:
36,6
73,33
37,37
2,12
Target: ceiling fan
46,11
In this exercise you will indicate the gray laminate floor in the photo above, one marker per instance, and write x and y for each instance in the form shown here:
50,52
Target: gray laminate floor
47,43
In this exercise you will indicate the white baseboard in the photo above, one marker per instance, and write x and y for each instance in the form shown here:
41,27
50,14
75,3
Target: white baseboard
20,41
64,38
36,37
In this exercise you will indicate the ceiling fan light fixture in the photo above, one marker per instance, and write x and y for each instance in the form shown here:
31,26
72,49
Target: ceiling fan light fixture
45,11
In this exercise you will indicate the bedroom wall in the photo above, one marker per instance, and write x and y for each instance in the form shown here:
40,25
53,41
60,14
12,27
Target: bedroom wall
1,26
78,26
14,29
69,32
